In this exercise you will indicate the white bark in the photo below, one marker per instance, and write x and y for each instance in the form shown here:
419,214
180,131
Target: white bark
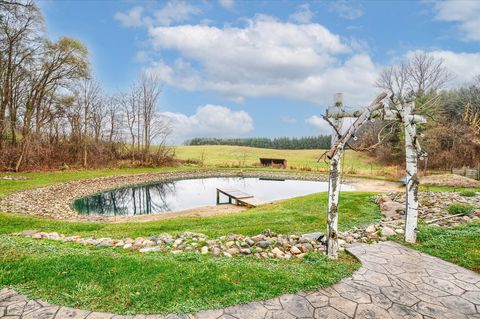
411,151
333,195
335,156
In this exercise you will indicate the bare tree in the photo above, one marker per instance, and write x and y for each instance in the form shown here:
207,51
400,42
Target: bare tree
421,74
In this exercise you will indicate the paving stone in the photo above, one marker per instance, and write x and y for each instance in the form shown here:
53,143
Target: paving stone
296,305
42,313
403,312
382,301
472,296
249,311
458,303
31,305
279,314
329,313
66,313
465,285
16,309
443,285
212,314
317,299
99,315
436,311
399,296
377,279
471,278
357,296
343,305
273,304
372,312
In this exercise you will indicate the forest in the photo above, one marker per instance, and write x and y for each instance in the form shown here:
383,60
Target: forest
53,113
451,136
287,143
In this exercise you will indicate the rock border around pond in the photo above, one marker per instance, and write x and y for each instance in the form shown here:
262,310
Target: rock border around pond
55,201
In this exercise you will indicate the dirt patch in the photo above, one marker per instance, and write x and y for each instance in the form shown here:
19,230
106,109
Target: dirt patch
373,185
449,180
205,211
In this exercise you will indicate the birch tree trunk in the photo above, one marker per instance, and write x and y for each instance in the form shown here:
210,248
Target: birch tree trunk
333,195
411,209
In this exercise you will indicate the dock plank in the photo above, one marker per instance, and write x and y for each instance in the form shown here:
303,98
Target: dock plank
240,197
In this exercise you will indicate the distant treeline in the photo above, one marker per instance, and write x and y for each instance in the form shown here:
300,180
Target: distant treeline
290,143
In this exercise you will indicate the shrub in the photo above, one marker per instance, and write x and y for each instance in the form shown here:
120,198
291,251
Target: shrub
468,193
459,208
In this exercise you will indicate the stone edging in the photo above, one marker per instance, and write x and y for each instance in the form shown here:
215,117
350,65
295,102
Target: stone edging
54,201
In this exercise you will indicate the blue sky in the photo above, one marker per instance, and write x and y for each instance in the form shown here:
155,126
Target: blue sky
263,68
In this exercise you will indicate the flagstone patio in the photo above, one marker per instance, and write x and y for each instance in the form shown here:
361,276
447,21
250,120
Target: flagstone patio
394,282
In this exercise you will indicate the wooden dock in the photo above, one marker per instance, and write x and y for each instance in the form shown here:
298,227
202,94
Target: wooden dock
238,197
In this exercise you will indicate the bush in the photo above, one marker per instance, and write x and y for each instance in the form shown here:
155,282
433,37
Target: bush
468,193
459,208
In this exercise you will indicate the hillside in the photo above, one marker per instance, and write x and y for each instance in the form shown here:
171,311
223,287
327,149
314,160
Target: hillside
226,156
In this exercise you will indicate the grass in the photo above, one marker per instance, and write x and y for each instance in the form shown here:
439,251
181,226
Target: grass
241,156
468,193
459,245
435,188
40,179
459,208
296,215
114,280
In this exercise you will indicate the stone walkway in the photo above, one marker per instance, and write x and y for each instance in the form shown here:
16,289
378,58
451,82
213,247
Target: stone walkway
394,282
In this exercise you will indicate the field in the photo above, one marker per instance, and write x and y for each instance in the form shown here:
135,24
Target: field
242,156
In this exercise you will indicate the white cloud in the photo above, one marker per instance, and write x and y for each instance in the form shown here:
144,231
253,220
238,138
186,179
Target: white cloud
133,17
465,12
227,4
346,9
175,11
303,14
265,58
321,126
209,121
172,11
464,66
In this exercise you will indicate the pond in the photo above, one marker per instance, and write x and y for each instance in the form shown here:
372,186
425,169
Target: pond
178,195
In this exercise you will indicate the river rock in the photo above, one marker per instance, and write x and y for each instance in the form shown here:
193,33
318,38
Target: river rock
306,238
387,232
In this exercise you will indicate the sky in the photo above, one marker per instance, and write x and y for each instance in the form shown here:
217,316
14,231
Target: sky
232,68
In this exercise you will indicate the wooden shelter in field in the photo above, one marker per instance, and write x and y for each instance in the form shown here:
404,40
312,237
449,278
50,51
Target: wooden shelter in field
274,162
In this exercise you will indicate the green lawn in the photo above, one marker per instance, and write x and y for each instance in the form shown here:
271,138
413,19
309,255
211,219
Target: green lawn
459,245
39,179
296,215
242,156
114,280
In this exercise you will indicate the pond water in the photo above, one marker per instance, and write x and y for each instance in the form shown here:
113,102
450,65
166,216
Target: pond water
170,196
